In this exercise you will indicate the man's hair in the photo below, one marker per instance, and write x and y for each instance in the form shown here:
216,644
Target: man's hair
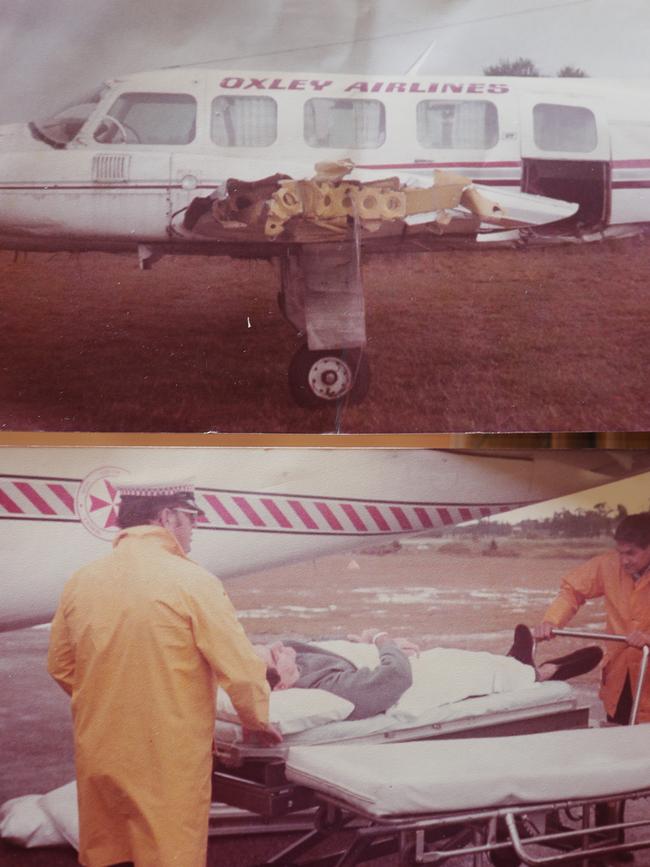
272,676
635,530
134,511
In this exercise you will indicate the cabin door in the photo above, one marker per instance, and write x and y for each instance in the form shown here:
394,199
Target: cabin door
566,154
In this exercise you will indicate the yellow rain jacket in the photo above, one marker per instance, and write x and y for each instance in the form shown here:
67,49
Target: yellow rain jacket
627,605
140,640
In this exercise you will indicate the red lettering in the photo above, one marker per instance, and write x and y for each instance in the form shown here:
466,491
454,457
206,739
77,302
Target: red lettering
475,88
232,82
297,84
452,88
361,86
433,88
416,87
275,84
257,83
377,86
320,85
498,88
399,86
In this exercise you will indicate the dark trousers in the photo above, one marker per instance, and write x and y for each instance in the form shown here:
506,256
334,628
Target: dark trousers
624,707
611,812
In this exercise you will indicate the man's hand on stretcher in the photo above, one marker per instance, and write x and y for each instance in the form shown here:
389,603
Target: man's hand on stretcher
267,737
378,637
638,638
544,631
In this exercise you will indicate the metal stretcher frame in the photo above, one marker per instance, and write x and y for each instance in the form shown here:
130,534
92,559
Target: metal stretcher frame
434,839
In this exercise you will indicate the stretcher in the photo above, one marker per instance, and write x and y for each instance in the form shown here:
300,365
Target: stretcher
427,798
429,801
252,779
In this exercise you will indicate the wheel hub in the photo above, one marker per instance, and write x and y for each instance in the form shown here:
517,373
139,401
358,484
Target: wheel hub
330,378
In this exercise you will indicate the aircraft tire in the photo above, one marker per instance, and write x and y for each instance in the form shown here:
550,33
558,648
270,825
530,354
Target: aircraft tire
323,376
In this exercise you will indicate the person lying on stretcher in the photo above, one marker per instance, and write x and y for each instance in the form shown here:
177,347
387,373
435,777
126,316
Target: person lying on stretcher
402,673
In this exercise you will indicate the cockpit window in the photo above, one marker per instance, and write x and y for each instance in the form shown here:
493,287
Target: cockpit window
63,126
149,118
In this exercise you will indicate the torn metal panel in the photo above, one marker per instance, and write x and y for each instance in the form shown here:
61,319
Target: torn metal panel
326,207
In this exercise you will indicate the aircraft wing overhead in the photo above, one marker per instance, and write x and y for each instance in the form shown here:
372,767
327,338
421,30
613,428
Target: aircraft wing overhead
264,507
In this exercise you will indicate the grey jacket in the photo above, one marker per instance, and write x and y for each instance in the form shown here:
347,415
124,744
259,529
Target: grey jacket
371,690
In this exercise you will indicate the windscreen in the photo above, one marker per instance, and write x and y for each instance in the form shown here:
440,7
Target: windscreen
61,127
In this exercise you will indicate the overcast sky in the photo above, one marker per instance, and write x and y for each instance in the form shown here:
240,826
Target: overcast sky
52,49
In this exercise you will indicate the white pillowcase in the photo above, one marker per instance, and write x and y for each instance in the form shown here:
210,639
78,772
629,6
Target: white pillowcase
61,807
42,820
23,822
294,710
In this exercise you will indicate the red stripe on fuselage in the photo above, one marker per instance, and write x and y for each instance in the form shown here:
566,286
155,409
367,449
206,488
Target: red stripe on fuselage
281,518
329,516
63,495
304,516
7,503
249,511
35,498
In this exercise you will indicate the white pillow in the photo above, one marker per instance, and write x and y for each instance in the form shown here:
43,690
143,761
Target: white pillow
294,710
24,823
61,807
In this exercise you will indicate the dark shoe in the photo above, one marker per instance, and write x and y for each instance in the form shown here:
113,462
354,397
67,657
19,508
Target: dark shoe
579,662
522,645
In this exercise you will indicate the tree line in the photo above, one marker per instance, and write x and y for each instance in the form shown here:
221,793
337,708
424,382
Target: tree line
577,524
524,66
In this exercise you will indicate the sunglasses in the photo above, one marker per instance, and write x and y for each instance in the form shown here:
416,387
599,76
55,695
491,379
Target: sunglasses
193,514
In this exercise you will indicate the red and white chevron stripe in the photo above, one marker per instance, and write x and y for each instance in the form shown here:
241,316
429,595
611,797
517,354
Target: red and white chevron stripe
27,497
286,513
31,498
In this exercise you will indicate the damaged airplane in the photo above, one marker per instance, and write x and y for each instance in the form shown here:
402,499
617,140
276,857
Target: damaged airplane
318,172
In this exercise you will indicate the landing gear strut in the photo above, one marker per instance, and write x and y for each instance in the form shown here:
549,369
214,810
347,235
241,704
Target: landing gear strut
322,297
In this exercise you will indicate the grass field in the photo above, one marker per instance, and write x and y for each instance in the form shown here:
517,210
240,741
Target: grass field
543,339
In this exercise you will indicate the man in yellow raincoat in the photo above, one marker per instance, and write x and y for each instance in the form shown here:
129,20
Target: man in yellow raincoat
622,577
141,640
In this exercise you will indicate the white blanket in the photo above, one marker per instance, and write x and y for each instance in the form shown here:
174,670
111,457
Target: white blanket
443,675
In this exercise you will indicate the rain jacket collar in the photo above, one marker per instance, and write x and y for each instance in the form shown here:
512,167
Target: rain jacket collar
153,534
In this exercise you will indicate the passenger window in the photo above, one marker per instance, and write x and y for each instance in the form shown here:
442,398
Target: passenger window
455,123
149,118
564,128
244,121
344,123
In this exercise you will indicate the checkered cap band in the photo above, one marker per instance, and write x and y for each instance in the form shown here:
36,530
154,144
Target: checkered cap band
182,488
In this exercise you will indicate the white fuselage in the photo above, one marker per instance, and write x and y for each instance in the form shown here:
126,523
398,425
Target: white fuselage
263,507
154,141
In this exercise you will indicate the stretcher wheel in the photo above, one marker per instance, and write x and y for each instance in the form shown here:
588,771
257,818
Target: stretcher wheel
318,377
